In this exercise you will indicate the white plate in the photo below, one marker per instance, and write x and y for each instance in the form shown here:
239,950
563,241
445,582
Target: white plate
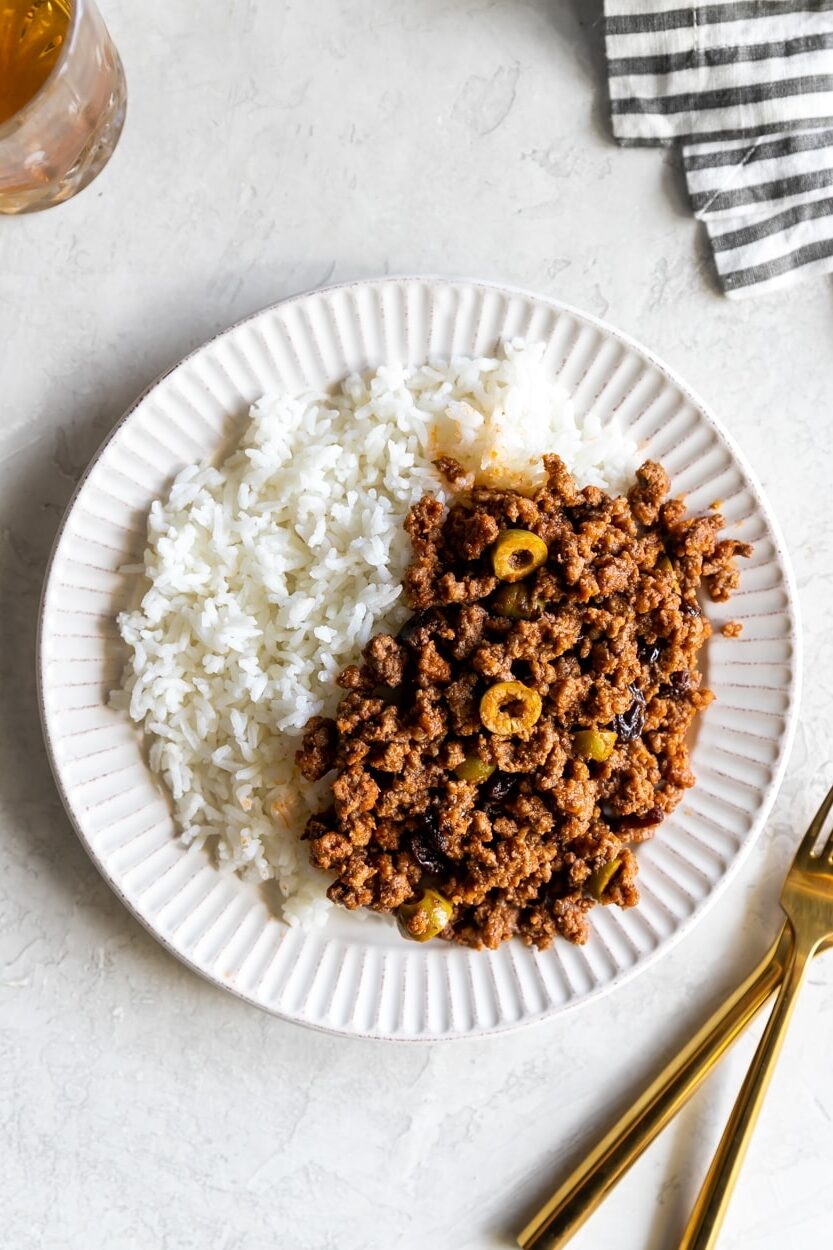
359,977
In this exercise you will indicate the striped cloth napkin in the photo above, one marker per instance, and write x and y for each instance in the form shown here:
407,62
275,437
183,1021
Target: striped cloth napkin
746,88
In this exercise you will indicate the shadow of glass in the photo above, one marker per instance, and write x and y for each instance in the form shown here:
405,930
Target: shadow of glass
37,484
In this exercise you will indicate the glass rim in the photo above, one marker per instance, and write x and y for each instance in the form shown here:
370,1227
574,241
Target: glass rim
13,123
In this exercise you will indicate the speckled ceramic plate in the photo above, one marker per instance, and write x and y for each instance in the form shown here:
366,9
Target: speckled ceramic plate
361,978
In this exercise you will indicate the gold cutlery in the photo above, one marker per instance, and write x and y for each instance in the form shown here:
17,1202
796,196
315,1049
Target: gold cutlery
589,1183
807,899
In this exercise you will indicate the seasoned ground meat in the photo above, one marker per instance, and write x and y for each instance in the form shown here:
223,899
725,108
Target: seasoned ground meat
318,748
521,829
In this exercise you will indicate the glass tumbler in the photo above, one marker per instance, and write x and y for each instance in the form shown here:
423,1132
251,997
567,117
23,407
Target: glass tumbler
61,137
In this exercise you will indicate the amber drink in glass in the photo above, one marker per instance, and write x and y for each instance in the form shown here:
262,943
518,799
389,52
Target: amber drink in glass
62,100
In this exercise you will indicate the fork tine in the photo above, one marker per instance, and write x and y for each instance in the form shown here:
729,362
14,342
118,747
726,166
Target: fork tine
827,853
816,825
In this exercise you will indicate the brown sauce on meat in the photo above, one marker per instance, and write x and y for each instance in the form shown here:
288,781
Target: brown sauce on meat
608,636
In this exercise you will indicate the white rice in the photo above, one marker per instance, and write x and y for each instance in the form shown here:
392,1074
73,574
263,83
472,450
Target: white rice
266,576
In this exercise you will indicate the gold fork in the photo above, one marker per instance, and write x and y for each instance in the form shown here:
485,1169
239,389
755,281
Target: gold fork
592,1179
807,899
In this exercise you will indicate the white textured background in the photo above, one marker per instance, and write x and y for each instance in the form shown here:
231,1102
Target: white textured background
272,145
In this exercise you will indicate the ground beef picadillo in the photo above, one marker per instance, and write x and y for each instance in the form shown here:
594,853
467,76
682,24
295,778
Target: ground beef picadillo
610,643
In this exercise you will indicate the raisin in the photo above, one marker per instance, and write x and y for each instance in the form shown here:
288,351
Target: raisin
680,682
427,844
500,786
649,652
690,607
628,725
497,790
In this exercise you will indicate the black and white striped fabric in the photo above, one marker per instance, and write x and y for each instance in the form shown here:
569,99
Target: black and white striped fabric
746,88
